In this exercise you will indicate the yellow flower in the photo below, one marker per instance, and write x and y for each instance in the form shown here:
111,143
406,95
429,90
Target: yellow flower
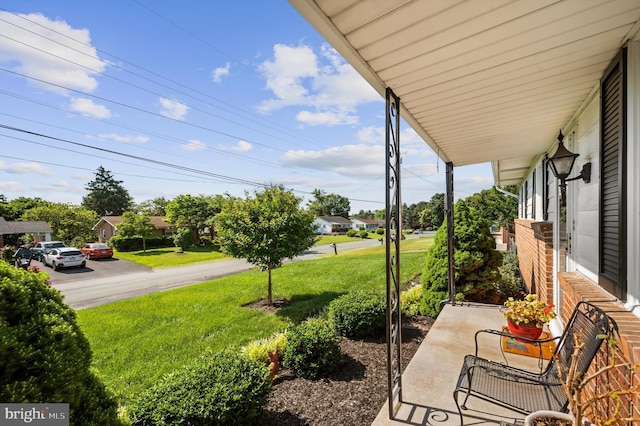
529,310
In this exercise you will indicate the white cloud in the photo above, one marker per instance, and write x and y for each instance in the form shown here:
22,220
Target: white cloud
218,73
194,145
86,107
173,109
84,177
326,83
326,118
30,168
123,138
61,185
52,61
240,146
349,160
11,186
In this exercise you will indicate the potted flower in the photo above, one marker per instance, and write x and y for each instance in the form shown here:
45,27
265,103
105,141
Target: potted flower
526,317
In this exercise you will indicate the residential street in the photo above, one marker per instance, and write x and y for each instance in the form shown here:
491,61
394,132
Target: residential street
85,293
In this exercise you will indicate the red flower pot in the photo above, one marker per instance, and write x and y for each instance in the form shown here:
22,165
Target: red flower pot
529,331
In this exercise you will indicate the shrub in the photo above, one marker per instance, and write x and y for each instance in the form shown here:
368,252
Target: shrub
313,349
121,243
183,238
258,350
476,262
410,301
7,253
380,231
363,234
216,389
358,314
351,233
44,356
510,283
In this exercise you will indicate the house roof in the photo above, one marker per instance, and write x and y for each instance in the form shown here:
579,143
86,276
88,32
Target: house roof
157,221
23,227
481,81
368,221
334,219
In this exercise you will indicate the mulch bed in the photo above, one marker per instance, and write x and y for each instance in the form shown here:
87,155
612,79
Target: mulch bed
354,395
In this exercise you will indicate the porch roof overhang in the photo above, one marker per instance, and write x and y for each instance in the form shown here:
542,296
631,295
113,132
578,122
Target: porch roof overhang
480,81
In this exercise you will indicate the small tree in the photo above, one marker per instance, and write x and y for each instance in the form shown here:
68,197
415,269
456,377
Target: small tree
136,225
265,229
476,261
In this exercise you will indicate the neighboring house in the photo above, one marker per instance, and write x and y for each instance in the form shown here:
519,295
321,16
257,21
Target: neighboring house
484,82
369,225
107,227
327,225
39,229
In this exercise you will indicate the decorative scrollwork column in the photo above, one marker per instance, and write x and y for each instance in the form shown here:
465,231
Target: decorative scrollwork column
393,236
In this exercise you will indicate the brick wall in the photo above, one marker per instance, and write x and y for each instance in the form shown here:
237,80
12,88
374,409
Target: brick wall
534,243
576,287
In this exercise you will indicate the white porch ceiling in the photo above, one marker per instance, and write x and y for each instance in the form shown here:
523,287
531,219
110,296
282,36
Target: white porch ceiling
480,80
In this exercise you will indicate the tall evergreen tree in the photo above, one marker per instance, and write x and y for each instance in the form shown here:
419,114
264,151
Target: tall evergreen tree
476,262
106,195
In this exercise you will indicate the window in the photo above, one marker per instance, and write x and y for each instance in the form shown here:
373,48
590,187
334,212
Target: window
612,251
533,195
526,199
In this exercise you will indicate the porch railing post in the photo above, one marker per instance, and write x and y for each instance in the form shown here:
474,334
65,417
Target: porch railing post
393,236
448,207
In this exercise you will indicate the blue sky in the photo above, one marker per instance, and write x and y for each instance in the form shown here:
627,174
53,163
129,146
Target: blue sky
197,97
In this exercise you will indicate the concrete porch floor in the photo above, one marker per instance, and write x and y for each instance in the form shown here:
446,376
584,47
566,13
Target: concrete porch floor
431,376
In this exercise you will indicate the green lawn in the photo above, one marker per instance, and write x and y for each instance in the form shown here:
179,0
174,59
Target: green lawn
137,341
170,256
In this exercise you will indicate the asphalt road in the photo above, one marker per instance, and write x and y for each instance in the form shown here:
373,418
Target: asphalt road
106,281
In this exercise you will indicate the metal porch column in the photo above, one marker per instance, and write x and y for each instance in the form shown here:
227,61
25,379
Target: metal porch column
393,236
448,210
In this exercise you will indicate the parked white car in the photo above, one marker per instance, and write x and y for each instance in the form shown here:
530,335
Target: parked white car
64,257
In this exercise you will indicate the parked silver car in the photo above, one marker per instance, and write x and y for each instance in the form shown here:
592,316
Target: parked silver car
64,257
38,251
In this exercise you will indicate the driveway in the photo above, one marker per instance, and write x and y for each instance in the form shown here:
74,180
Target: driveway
98,268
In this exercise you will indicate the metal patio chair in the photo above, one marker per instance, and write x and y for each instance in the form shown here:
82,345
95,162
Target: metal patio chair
526,391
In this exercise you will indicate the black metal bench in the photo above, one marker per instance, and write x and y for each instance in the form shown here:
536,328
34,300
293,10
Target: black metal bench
526,391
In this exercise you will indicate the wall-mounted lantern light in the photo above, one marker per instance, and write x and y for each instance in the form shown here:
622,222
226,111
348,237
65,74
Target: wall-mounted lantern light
562,164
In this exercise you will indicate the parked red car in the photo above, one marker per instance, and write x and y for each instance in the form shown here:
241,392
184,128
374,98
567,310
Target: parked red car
96,251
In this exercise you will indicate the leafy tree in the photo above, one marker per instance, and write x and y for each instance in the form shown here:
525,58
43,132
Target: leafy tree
496,208
136,225
433,211
362,214
69,222
195,213
265,229
476,262
329,204
12,210
155,207
380,214
106,195
411,215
